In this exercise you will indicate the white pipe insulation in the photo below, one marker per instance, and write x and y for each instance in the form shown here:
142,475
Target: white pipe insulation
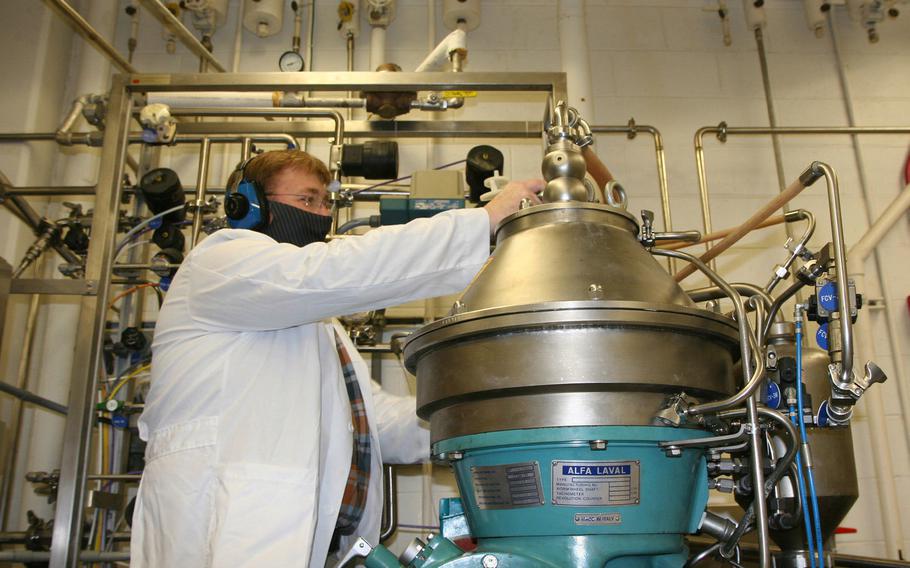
439,57
214,99
573,47
880,440
377,47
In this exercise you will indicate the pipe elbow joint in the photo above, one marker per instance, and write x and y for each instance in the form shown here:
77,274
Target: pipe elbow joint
811,174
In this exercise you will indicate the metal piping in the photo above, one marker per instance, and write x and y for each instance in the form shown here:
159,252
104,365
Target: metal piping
753,379
772,115
840,259
30,397
807,178
631,130
20,207
723,131
202,178
85,556
91,35
742,288
390,502
66,543
891,518
15,418
267,112
186,37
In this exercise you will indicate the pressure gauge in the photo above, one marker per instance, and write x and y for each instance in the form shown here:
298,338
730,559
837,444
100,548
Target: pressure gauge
290,61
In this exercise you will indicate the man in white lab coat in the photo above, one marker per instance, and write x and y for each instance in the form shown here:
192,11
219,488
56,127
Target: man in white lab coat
253,448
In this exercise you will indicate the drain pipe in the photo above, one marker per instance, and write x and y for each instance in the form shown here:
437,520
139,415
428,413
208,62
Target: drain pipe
877,427
573,47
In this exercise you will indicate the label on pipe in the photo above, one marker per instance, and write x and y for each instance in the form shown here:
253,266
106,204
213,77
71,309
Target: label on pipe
459,94
507,486
596,483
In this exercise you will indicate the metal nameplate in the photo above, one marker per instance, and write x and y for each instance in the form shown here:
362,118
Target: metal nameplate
598,519
507,486
596,483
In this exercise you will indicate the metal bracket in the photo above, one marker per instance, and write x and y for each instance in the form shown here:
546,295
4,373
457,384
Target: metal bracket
360,549
722,131
633,129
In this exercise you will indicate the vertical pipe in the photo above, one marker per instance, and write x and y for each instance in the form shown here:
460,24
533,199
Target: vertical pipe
880,444
202,179
573,48
246,149
772,114
377,47
11,447
891,517
308,55
704,199
840,255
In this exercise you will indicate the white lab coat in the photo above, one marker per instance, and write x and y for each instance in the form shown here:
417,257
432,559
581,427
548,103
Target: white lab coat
247,420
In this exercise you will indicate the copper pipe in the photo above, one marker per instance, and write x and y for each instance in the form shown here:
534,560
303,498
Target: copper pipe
676,245
794,189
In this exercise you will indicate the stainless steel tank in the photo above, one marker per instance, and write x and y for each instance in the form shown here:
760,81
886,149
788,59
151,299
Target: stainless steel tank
832,447
570,323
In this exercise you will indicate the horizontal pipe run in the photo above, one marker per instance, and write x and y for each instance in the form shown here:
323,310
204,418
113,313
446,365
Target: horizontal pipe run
27,396
267,112
27,136
193,132
807,130
86,556
229,99
114,477
334,81
51,191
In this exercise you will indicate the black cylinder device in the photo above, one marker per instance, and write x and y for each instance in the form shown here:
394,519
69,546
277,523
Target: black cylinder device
482,163
162,190
376,159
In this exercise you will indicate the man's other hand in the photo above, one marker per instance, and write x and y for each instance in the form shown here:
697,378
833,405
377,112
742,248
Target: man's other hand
510,198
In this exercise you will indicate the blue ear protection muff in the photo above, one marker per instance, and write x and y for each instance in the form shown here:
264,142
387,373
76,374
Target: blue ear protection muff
246,206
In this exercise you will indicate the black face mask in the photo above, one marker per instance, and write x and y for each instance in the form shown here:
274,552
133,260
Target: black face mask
289,224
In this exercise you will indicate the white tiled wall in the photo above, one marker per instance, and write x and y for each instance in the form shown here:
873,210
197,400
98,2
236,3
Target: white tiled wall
662,62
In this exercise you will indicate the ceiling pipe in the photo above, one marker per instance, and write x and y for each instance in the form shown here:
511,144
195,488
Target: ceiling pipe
573,47
170,21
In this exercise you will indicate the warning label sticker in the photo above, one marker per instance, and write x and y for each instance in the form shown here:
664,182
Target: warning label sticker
507,486
595,484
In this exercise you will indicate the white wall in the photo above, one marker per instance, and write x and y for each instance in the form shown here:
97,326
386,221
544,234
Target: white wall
659,61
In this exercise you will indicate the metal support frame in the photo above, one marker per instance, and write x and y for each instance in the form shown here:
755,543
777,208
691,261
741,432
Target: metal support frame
65,552
90,331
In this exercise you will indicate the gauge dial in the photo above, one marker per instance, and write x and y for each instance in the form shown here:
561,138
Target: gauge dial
290,61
